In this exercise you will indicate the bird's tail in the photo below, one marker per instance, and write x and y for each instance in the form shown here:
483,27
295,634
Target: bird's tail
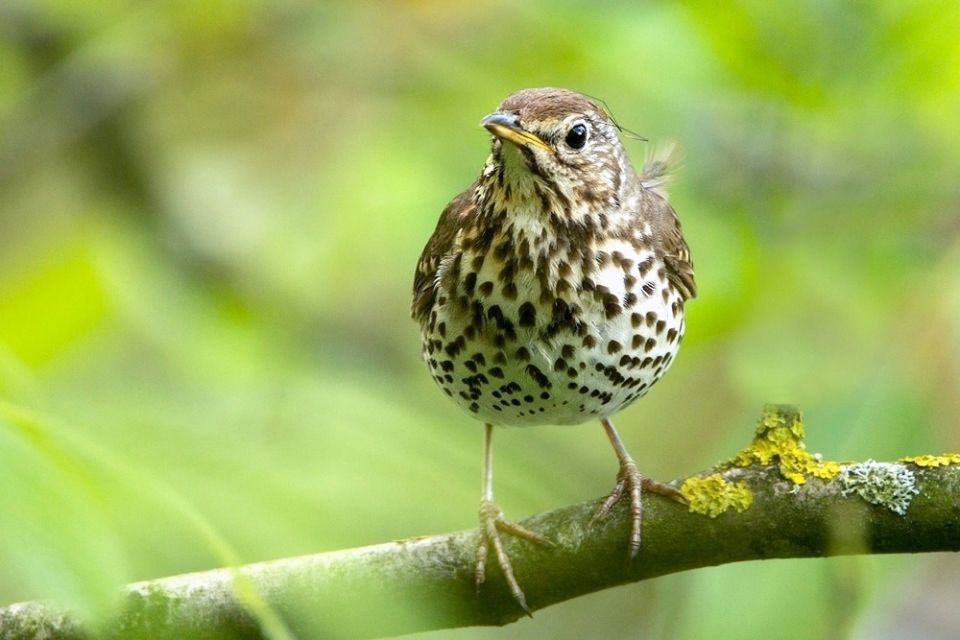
660,166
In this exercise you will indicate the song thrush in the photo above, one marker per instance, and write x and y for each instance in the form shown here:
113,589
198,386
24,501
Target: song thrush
552,290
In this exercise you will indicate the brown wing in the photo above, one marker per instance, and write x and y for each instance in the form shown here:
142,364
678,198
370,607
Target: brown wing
439,245
674,249
677,259
656,174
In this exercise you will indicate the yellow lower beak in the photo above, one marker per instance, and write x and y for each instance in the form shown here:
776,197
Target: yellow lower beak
506,127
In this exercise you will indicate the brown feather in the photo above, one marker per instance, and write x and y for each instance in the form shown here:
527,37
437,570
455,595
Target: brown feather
439,245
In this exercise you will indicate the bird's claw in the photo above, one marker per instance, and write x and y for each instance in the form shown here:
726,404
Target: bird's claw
631,483
492,524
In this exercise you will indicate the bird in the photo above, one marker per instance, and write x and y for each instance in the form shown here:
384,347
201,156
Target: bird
552,291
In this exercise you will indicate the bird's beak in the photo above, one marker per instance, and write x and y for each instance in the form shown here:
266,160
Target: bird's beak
507,127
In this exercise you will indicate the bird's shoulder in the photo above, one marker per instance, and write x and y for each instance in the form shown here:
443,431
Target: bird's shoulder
440,244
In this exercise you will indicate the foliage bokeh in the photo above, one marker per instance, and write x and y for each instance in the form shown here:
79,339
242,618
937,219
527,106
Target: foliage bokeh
209,219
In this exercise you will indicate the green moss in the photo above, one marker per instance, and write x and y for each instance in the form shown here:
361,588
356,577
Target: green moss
887,484
933,461
712,495
779,440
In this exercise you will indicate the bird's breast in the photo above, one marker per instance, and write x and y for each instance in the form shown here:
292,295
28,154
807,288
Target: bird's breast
529,330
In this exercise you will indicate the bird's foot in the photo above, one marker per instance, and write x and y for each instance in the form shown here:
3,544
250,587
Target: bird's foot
631,483
492,524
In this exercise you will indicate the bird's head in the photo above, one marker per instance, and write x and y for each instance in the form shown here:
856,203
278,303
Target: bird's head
560,139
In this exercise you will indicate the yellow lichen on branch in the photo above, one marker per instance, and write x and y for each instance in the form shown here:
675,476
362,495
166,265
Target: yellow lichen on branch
779,440
712,495
933,461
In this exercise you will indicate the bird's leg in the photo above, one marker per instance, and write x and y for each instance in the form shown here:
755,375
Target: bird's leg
492,524
630,481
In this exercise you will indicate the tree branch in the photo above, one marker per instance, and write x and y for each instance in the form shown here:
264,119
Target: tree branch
427,583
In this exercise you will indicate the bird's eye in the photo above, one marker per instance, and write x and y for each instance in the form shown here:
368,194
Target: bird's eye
577,136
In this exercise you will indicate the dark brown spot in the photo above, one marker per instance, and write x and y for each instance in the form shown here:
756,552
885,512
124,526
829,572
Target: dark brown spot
507,272
649,288
538,376
502,250
486,288
671,335
528,314
469,283
589,342
635,319
496,372
611,306
613,347
645,265
561,317
510,291
522,354
649,345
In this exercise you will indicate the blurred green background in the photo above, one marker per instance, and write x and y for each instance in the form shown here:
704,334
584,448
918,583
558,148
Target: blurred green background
210,215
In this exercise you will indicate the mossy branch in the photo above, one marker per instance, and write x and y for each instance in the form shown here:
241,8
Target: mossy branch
773,500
